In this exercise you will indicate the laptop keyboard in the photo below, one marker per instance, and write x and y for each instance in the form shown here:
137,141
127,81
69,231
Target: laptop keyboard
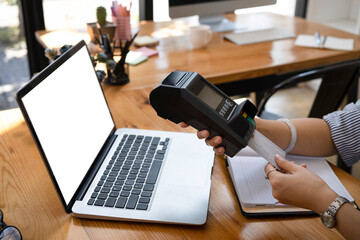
130,177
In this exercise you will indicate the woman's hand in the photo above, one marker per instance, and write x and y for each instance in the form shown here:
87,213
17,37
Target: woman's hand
297,186
215,141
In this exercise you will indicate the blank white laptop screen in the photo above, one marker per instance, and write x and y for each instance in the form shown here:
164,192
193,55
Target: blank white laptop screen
71,118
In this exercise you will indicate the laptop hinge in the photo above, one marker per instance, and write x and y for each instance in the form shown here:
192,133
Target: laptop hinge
95,168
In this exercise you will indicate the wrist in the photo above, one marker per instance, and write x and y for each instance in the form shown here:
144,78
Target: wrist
326,198
328,218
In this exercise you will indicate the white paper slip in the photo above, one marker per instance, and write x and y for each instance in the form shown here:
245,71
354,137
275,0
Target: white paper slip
134,58
265,148
345,44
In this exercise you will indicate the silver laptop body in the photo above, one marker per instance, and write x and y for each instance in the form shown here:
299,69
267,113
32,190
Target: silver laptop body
69,118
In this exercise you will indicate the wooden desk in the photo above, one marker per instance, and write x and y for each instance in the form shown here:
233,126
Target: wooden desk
30,202
243,69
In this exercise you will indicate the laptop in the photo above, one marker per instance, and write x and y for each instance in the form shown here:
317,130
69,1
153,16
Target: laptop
101,172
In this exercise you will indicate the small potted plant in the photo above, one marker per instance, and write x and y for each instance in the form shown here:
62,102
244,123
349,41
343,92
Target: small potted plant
104,26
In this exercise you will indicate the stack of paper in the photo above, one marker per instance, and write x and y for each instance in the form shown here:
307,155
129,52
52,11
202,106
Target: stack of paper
257,36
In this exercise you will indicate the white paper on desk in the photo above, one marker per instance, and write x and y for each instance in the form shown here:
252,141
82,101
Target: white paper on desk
253,189
345,44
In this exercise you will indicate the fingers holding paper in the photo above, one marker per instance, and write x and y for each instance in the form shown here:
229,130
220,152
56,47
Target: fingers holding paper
296,185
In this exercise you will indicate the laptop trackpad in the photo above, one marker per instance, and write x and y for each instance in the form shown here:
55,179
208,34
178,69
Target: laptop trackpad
186,172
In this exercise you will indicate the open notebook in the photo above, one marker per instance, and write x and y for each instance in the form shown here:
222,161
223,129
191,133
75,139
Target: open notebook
344,44
254,192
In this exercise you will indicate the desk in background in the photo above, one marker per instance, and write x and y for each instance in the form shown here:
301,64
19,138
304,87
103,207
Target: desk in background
248,68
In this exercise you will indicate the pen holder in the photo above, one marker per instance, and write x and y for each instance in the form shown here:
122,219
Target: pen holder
123,30
117,78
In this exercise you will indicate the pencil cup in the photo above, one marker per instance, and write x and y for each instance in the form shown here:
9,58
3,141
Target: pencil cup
118,78
123,30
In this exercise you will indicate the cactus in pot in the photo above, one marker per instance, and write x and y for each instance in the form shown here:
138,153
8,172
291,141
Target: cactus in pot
105,26
101,15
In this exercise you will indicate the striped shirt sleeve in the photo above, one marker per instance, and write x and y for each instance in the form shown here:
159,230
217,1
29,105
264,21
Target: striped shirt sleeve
345,132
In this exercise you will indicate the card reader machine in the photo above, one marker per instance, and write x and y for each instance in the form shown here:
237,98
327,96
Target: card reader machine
190,98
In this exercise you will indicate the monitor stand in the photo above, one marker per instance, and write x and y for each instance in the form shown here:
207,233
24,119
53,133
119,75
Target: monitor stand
218,23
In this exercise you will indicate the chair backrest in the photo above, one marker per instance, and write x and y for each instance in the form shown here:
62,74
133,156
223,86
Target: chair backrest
336,82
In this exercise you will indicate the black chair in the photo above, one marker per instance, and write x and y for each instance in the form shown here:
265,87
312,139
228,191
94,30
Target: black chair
337,81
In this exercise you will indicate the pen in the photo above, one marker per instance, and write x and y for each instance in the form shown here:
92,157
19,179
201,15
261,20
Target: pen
323,41
318,38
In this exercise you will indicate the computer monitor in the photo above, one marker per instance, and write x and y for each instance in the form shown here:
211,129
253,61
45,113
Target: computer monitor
211,12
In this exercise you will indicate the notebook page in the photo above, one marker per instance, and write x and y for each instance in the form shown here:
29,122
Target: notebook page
253,189
323,170
339,43
249,180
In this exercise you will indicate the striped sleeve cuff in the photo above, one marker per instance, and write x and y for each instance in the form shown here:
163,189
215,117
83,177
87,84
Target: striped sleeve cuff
345,132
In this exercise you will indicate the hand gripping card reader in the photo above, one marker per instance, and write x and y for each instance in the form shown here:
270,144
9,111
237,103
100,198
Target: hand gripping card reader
190,98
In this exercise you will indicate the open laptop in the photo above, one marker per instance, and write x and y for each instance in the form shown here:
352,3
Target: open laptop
103,173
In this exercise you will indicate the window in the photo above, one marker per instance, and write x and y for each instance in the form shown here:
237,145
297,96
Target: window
14,68
61,14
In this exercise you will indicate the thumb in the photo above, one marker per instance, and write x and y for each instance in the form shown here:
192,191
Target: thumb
285,164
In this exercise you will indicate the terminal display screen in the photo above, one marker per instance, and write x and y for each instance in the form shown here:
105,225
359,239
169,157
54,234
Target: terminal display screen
210,97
